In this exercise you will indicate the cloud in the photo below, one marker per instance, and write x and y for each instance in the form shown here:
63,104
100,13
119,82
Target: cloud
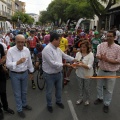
34,6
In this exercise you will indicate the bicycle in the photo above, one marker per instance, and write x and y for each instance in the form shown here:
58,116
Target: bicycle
40,79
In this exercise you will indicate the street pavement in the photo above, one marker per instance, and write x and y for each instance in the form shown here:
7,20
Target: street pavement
37,100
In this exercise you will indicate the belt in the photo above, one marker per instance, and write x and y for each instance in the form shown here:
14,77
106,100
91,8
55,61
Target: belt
19,72
107,71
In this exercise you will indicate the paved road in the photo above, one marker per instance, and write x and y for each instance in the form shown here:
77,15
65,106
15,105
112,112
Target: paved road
36,99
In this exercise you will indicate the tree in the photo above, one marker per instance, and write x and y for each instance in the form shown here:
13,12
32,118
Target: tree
67,9
100,10
22,18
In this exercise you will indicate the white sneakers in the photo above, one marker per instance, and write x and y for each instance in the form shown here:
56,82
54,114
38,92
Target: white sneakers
78,102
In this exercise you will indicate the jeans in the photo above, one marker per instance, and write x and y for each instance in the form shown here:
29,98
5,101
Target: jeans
19,86
109,83
84,87
51,81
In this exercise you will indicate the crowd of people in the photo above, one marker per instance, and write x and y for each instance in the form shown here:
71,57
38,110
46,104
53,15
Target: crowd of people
59,52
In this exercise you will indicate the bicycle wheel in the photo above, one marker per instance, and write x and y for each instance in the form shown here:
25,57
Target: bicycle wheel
40,81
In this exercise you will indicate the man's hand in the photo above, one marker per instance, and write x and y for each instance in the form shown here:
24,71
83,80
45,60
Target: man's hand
67,64
22,60
104,58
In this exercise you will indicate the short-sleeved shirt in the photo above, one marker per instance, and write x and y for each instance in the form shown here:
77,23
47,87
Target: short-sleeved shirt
112,53
95,42
63,43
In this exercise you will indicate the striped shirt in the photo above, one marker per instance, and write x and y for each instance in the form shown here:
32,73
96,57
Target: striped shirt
112,53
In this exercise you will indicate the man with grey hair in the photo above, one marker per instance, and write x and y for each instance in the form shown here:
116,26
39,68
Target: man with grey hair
19,62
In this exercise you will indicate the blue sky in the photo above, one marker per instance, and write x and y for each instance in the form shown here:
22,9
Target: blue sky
34,6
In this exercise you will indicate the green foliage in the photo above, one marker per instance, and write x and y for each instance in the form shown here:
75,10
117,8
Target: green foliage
23,17
66,9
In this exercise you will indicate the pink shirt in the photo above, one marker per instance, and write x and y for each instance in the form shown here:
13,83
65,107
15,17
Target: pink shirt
70,40
112,53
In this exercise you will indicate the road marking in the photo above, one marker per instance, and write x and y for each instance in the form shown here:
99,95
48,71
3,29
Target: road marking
74,115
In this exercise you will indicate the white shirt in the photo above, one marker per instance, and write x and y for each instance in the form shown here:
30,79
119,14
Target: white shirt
13,55
52,59
7,40
87,60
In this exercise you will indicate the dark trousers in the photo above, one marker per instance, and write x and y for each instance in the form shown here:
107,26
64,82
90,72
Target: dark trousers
3,95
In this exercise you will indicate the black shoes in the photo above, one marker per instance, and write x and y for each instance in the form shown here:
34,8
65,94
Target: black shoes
27,107
9,111
60,105
50,109
1,115
98,101
21,114
106,109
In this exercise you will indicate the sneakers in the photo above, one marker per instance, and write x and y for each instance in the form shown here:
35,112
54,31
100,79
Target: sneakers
98,101
60,105
21,114
105,109
50,109
78,102
27,107
87,102
67,79
9,111
33,86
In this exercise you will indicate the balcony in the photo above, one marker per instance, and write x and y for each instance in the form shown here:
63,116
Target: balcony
9,16
9,5
3,14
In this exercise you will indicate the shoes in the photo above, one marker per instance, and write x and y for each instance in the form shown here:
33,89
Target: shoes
60,105
50,109
65,82
98,101
1,116
67,79
104,87
95,74
9,111
33,86
78,102
87,102
27,107
106,109
21,114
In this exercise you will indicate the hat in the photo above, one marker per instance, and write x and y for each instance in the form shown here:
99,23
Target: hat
96,33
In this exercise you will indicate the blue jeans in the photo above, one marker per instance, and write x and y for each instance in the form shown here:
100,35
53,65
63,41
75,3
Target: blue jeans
109,83
51,81
19,86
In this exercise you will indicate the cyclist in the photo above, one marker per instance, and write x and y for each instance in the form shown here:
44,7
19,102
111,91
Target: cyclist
38,54
95,42
32,40
64,47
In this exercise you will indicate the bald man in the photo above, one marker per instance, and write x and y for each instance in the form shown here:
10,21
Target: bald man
19,63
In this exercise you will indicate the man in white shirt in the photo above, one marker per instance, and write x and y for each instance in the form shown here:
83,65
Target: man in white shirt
19,62
52,66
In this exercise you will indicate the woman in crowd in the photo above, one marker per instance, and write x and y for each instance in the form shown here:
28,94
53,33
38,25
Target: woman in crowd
84,68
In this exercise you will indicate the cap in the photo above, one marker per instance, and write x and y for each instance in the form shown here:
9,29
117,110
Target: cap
96,33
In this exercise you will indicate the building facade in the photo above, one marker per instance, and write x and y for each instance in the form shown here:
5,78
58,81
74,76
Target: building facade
7,10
